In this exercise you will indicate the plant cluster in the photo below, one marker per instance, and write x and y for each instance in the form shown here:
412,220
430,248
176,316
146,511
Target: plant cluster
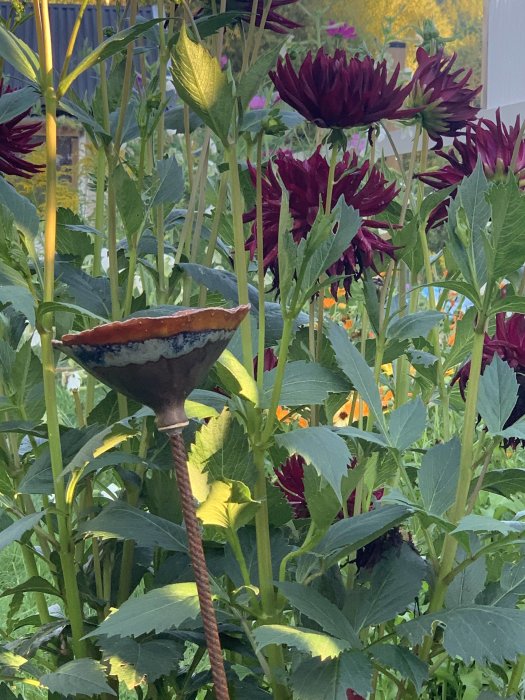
355,457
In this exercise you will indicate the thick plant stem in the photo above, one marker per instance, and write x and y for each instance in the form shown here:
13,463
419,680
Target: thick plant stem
517,675
260,264
72,596
465,474
196,552
240,254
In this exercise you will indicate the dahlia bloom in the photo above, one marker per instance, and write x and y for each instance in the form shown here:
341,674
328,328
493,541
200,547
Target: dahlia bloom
290,477
338,92
344,30
509,343
18,139
492,143
442,95
307,183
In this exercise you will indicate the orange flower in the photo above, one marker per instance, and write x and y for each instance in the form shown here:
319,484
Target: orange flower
451,339
348,324
341,306
282,413
341,292
328,302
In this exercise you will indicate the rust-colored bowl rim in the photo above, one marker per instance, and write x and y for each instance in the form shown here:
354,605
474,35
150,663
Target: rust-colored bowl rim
149,327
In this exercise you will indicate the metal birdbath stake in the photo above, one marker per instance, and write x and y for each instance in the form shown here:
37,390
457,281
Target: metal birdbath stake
158,361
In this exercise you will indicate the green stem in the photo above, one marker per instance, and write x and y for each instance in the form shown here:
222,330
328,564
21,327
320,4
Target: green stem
260,264
214,234
517,674
72,596
159,210
234,542
72,42
279,378
126,85
465,468
40,599
240,254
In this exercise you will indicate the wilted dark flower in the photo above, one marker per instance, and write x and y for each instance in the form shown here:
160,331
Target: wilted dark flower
509,343
290,477
307,183
340,92
18,139
275,21
442,95
491,142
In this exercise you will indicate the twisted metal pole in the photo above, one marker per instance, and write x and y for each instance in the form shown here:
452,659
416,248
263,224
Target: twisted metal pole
196,551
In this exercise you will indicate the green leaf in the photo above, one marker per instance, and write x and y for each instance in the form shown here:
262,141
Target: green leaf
406,424
304,383
202,84
256,74
170,182
14,103
388,589
229,505
409,249
438,476
97,444
323,449
475,633
466,585
484,523
313,643
403,661
507,248
508,303
236,378
498,392
155,611
24,211
316,607
135,662
21,299
129,201
416,325
110,47
356,369
34,584
351,534
79,677
18,528
59,306
222,451
330,680
18,54
366,435
505,482
509,589
125,522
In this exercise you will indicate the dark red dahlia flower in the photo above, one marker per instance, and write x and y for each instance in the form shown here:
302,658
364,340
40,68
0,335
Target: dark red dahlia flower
18,139
307,184
352,695
341,92
442,95
275,21
491,142
509,343
270,361
290,477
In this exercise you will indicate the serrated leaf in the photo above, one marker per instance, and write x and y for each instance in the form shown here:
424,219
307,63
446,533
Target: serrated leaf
366,435
388,589
416,325
221,450
466,585
356,369
201,83
18,54
353,533
507,248
136,662
438,476
406,424
313,643
235,375
129,201
79,677
15,531
24,212
330,680
123,521
14,103
484,523
498,393
508,590
98,444
156,611
475,633
505,482
170,185
253,78
229,505
304,383
323,449
316,607
402,660
21,299
33,584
